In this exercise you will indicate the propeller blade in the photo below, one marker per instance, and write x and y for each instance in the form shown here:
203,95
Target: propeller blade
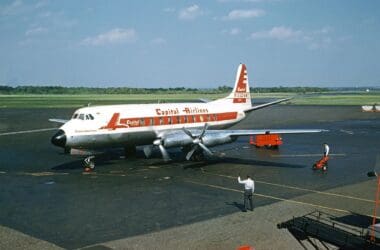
205,149
203,131
148,151
191,152
164,153
188,132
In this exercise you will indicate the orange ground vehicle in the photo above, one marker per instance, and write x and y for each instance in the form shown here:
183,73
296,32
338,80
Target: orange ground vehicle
321,164
267,140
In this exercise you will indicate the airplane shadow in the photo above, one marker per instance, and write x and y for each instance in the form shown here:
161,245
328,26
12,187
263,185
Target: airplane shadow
106,158
249,162
102,159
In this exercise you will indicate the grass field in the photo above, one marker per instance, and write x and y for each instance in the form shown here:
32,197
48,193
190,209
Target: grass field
75,101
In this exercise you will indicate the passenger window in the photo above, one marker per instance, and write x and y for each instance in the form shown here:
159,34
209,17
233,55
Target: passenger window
81,116
91,117
161,120
142,122
151,121
169,120
185,119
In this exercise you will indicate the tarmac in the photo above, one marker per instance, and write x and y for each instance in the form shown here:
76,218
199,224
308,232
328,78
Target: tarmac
48,202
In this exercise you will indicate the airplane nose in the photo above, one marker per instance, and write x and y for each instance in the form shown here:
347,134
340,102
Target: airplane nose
59,139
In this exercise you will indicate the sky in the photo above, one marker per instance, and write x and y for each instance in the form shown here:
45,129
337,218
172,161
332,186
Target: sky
196,44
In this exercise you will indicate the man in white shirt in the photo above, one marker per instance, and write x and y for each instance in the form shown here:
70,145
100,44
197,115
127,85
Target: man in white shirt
326,149
249,188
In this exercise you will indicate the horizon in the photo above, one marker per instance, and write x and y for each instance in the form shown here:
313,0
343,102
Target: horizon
190,88
170,44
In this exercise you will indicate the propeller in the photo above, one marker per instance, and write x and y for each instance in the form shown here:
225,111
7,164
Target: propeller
148,150
197,142
165,155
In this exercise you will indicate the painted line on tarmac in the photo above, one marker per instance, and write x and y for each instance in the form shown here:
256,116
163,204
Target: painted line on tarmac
103,174
301,189
306,155
272,197
41,173
347,131
28,131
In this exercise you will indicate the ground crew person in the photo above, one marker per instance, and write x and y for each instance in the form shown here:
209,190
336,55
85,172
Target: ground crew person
326,149
249,188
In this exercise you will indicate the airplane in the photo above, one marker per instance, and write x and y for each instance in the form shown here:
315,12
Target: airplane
192,126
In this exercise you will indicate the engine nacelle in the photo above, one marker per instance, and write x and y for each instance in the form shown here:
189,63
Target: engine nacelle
177,140
182,140
213,140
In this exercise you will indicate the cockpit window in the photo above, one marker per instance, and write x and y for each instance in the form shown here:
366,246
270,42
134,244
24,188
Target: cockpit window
83,116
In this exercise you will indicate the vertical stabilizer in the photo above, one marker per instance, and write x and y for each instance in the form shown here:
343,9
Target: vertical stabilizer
240,96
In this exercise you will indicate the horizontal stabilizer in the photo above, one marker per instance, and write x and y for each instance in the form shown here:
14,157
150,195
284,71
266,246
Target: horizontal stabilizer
266,104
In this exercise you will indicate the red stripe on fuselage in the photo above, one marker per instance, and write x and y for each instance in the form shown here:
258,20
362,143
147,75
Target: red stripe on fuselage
116,123
113,123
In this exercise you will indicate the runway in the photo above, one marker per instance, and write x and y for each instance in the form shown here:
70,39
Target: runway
43,193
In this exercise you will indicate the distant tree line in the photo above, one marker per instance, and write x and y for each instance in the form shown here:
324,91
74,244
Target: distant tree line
289,90
28,90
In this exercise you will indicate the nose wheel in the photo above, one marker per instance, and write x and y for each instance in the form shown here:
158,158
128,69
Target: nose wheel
89,164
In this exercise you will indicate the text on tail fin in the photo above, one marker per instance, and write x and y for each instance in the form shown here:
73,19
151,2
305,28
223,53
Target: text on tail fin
241,90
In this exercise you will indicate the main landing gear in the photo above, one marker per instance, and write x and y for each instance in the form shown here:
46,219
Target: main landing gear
89,164
198,156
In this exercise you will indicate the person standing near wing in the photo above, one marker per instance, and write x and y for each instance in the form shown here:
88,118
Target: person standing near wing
326,149
249,188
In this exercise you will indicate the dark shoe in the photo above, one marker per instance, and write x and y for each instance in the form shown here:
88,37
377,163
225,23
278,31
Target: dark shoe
244,210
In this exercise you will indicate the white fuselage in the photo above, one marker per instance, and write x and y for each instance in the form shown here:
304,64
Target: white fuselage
140,124
192,126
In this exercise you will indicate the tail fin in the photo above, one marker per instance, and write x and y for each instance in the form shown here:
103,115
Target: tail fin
240,93
240,96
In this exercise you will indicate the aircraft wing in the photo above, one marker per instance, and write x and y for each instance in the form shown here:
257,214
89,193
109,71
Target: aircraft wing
204,100
207,138
247,132
58,120
244,132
